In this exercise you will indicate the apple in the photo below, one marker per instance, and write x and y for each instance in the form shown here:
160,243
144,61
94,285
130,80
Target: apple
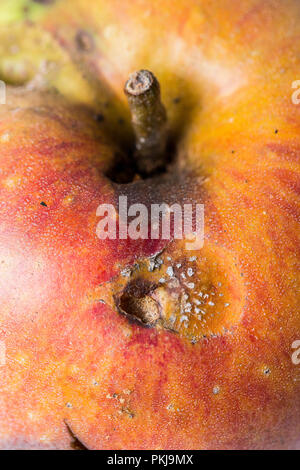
105,346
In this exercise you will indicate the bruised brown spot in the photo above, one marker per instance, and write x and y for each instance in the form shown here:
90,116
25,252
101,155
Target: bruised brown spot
84,41
136,303
44,2
193,296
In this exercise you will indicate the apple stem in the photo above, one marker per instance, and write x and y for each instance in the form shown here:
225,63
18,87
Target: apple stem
149,119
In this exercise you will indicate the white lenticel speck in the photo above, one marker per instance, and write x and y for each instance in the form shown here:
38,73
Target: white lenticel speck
190,285
170,271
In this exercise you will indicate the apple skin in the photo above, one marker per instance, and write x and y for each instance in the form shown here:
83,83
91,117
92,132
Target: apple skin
76,364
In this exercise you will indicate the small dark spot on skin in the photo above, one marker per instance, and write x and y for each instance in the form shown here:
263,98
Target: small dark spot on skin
121,121
128,412
246,181
84,41
43,204
99,117
267,371
176,100
242,274
44,2
232,151
276,131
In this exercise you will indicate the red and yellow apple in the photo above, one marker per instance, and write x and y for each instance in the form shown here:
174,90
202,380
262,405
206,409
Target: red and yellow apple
76,364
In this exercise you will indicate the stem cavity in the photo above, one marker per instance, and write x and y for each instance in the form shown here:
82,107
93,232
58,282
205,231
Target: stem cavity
149,119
